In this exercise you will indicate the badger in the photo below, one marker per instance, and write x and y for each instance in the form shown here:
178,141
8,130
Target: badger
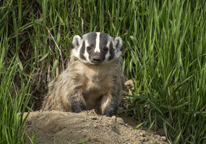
93,79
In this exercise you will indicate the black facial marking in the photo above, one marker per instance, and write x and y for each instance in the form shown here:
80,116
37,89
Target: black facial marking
91,38
89,48
82,51
103,41
111,51
105,49
102,45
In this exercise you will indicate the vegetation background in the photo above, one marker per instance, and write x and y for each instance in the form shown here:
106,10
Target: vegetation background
165,54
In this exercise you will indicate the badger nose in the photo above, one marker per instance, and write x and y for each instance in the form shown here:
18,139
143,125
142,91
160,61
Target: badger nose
96,58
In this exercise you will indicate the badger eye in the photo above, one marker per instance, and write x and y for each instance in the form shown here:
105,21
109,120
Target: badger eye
105,49
88,48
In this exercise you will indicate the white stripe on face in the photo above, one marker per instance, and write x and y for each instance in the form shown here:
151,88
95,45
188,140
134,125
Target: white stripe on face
97,48
86,55
108,54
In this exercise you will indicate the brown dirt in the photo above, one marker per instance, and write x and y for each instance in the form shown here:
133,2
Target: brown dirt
59,127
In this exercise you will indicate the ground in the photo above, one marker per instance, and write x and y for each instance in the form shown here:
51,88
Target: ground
63,127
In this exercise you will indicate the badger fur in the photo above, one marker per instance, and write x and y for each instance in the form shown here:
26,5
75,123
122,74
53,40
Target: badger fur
93,79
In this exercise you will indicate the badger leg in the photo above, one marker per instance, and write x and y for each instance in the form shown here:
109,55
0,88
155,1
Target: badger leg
77,102
109,104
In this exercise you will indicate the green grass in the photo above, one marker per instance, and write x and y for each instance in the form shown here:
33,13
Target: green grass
165,52
13,101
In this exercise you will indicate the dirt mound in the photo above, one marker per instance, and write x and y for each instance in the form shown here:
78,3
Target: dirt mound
59,127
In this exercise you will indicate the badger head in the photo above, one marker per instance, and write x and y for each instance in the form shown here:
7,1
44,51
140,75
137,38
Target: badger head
97,48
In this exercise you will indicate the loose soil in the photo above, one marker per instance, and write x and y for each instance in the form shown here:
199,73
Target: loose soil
85,127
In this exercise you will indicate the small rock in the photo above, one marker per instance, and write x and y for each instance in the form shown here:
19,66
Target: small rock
114,118
142,138
142,134
120,120
94,118
164,138
95,126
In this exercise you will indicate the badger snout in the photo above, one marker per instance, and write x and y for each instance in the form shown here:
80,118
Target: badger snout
96,58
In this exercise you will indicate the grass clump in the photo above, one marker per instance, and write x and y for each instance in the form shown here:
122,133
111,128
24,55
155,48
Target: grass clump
13,102
168,61
13,98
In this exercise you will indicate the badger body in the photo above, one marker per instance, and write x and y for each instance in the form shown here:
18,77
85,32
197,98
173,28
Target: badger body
93,78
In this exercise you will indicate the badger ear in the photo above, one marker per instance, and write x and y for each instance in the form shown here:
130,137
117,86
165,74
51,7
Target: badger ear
76,42
118,43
